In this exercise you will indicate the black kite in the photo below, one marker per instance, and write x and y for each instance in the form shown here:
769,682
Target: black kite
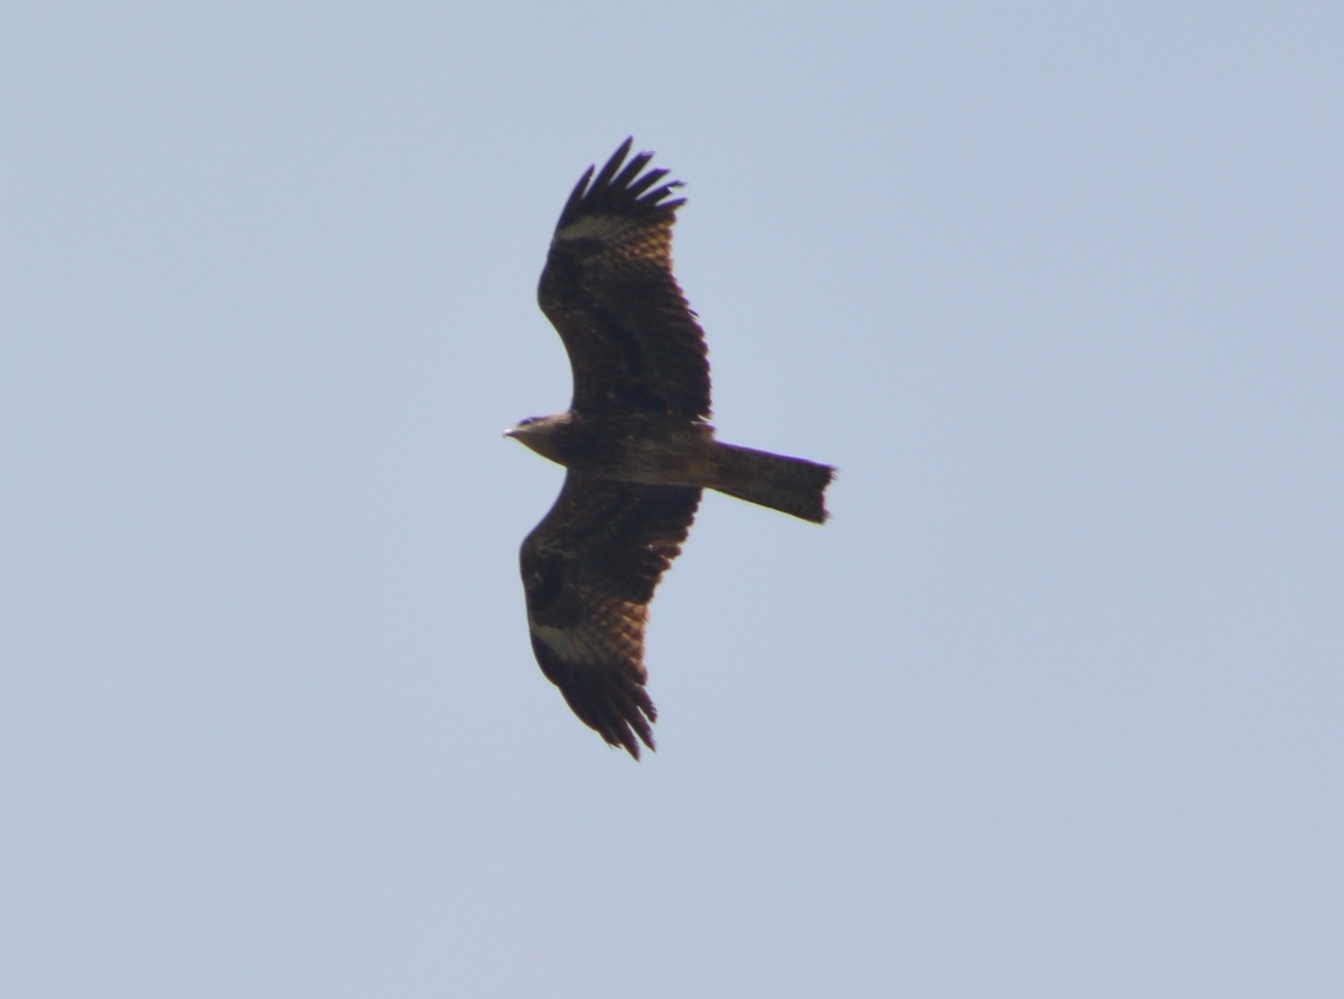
636,443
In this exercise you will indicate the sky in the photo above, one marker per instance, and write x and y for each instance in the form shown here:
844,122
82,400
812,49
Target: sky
1052,706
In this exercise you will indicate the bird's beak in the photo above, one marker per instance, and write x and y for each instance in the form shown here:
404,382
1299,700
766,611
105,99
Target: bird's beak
511,432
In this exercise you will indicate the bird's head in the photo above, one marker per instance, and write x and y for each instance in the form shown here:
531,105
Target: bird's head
539,433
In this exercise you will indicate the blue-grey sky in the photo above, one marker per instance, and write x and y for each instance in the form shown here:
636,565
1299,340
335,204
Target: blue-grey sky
1052,707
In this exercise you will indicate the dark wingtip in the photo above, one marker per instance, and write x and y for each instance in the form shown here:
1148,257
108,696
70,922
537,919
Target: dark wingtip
622,726
631,745
624,716
612,165
621,192
611,701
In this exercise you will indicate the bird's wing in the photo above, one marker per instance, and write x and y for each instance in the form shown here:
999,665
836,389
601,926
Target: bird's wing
589,571
633,343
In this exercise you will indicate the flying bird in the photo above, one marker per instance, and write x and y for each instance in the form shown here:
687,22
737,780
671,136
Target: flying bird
636,442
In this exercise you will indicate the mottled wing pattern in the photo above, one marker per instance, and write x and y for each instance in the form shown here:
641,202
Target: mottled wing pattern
589,571
633,342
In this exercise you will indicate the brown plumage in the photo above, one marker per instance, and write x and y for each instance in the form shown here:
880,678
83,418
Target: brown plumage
636,442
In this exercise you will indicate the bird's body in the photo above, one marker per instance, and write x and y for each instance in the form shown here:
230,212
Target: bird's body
635,448
637,445
659,451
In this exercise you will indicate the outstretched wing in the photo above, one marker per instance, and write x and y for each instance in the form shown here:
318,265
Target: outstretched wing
589,571
607,287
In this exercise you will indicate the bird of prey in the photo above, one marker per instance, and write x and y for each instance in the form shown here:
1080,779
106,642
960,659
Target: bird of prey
636,443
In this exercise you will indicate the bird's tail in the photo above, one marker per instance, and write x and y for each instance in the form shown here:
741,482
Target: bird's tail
790,485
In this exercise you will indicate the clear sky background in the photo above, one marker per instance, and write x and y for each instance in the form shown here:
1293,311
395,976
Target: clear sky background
1053,707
